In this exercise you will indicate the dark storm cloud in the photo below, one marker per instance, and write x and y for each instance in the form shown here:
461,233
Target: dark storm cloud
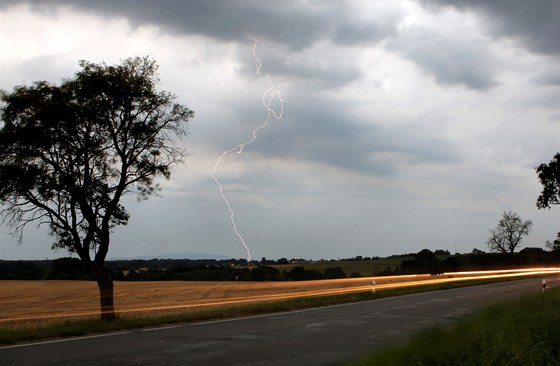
297,25
468,62
535,23
324,71
321,132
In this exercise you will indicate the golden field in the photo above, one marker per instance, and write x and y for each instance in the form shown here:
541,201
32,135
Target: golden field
44,300
47,301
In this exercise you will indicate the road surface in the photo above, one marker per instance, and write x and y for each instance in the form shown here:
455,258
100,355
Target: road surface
325,336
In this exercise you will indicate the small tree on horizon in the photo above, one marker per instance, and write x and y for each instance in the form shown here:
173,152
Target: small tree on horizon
69,153
509,233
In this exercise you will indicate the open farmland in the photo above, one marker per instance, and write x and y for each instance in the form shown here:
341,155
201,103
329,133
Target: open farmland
53,301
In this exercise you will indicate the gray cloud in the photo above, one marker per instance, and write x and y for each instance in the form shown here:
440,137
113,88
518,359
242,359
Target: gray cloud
326,72
535,23
549,76
297,26
468,62
46,67
364,149
322,132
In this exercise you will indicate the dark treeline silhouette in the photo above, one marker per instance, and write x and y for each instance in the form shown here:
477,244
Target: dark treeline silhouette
425,261
430,262
58,269
163,270
221,272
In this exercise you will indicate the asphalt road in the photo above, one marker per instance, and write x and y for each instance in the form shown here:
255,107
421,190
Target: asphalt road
325,336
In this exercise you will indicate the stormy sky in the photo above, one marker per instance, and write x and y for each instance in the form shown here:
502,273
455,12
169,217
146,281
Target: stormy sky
406,124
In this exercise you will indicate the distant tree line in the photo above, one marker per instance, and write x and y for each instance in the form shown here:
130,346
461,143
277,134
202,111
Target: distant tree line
426,261
230,273
58,269
162,270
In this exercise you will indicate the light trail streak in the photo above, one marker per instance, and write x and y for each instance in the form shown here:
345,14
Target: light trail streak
267,99
346,286
541,269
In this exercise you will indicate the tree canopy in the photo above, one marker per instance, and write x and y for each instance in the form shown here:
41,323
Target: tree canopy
549,176
69,152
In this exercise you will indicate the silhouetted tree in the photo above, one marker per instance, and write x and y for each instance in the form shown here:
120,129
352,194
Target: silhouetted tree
426,262
332,273
549,176
69,153
441,252
265,273
509,233
299,273
554,246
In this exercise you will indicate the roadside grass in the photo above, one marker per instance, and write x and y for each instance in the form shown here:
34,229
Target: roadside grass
521,332
34,331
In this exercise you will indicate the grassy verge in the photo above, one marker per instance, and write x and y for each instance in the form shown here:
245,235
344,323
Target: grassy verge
10,334
523,332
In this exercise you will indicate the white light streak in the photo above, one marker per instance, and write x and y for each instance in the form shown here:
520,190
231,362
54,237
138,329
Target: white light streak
268,97
258,63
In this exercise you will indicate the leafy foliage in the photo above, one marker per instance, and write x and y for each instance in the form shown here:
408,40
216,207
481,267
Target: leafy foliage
69,153
549,176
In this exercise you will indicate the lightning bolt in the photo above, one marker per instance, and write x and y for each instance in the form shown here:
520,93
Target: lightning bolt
267,99
258,63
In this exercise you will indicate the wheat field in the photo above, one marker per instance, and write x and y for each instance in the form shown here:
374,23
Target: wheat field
53,301
23,301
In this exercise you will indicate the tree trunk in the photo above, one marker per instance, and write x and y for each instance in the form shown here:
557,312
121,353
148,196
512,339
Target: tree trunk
105,284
